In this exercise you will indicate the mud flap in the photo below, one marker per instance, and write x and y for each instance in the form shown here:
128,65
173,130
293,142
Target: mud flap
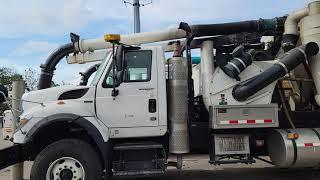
11,155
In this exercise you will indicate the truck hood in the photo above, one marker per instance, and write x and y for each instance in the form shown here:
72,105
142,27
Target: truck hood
37,97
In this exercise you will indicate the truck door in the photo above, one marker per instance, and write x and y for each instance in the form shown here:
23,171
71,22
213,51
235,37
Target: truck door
136,104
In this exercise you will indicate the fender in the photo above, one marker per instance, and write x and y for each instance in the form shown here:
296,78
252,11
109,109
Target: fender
83,122
69,118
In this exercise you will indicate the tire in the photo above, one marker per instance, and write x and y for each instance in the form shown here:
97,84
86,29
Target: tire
65,156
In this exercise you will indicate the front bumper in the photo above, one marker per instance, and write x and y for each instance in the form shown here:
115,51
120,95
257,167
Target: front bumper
12,155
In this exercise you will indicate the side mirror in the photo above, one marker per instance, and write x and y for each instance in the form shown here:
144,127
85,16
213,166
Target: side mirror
3,93
119,57
119,77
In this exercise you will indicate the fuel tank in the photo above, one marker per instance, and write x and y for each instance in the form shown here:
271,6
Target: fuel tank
301,151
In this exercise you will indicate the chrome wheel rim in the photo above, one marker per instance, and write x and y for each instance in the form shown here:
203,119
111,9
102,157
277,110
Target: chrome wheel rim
65,168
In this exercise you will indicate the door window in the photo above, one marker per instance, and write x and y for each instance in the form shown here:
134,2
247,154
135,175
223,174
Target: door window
109,79
138,68
138,65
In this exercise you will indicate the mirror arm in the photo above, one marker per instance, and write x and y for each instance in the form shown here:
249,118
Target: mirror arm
115,91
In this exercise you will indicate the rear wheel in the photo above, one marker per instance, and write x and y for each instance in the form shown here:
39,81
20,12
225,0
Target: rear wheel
67,159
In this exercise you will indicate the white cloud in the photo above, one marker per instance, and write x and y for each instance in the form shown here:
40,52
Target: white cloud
18,67
67,73
32,47
61,16
52,17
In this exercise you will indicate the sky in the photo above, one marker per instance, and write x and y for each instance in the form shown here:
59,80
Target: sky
31,29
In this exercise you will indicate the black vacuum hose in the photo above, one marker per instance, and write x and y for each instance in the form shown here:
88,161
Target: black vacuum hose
86,75
261,25
289,61
49,66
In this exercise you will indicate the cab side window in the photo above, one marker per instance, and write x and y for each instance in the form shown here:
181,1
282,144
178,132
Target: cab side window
138,65
109,79
138,68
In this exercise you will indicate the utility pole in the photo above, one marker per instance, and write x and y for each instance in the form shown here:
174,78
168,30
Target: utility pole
136,13
18,89
136,16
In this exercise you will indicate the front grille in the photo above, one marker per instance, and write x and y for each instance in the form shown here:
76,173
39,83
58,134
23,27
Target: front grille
74,94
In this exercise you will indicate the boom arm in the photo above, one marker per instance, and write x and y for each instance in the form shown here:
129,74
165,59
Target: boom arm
91,45
130,39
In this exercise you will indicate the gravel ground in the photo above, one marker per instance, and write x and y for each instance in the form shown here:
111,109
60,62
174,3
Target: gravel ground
196,167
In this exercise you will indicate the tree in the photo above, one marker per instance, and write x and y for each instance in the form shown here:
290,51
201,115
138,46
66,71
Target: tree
53,84
31,79
7,75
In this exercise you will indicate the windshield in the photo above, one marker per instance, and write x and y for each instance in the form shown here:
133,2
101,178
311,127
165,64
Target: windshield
100,70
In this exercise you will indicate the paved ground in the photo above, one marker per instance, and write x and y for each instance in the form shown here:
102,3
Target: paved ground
197,168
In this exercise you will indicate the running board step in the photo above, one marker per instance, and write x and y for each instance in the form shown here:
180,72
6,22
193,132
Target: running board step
139,159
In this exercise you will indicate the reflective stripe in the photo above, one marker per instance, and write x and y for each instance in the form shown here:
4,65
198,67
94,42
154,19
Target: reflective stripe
224,122
242,121
233,122
267,120
308,144
248,121
251,121
260,121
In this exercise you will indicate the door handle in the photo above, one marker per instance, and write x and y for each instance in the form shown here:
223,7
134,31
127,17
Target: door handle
152,105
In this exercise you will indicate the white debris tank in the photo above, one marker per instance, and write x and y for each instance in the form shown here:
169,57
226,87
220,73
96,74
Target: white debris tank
310,32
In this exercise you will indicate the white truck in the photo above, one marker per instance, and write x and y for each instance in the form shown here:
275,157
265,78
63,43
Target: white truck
247,99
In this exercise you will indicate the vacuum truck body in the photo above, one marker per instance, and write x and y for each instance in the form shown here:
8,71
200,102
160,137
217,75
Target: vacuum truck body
254,94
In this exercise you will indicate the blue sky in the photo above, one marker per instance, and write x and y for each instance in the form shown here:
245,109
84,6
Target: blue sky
31,29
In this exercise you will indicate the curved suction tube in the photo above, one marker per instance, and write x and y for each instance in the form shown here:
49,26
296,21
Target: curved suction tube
289,61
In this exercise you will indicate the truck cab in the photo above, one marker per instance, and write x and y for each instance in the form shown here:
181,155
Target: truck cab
131,104
142,82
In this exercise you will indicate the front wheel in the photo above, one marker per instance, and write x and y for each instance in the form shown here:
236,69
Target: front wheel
67,159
